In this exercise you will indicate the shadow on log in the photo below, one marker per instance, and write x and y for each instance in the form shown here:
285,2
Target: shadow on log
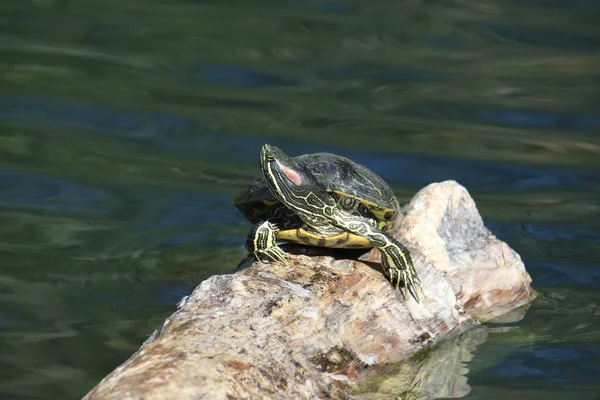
312,328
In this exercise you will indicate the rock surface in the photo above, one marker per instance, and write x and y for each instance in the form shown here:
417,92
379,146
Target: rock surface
310,328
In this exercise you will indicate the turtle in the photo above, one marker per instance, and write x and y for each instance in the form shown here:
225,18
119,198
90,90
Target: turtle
325,200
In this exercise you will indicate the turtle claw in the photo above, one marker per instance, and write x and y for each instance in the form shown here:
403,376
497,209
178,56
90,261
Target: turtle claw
397,276
271,254
279,255
399,271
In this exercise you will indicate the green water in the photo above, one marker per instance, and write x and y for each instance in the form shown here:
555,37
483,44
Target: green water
126,126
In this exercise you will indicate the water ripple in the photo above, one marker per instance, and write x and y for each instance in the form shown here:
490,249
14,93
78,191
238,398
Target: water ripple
551,364
553,233
547,274
505,116
336,7
247,77
241,77
184,208
29,191
579,5
378,73
542,37
92,118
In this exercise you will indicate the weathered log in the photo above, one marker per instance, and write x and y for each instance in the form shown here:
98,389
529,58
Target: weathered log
308,329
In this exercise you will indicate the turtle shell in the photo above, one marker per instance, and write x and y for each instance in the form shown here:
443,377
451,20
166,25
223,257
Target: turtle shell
342,177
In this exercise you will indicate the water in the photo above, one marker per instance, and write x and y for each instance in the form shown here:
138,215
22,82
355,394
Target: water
126,126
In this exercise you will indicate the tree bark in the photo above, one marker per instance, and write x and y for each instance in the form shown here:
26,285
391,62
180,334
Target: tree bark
311,327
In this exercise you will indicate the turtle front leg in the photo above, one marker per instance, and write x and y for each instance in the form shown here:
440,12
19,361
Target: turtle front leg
262,243
397,264
395,258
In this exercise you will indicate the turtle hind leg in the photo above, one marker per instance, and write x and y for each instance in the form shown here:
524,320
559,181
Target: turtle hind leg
262,243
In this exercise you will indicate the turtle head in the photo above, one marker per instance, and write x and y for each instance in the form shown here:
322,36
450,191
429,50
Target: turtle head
278,168
292,184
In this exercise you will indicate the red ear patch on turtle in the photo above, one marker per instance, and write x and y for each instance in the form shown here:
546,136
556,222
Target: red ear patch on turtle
291,174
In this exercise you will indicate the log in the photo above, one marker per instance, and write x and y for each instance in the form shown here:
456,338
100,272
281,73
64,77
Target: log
312,327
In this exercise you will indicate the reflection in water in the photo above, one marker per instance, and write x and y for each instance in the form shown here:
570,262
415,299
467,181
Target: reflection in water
440,372
125,128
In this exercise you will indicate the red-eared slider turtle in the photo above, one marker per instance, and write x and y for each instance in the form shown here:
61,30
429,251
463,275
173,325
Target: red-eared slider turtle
323,200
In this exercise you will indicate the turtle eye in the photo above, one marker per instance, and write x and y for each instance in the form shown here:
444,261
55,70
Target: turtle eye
269,157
